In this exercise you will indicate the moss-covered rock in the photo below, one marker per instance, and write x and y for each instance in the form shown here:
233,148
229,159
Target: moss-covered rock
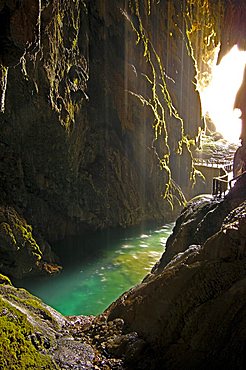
20,254
28,330
35,336
17,350
67,160
5,280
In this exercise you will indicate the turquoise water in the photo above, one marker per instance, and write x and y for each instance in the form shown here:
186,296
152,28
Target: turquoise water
99,268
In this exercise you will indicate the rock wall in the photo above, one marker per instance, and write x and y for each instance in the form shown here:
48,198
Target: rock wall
77,149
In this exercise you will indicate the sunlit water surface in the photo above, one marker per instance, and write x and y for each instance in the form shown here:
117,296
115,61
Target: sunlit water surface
98,269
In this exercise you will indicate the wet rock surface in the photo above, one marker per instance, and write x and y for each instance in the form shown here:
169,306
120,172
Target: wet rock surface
200,219
71,354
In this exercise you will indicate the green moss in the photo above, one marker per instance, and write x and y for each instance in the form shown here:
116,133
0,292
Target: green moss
75,43
57,66
7,230
19,233
18,243
4,280
203,22
26,233
16,349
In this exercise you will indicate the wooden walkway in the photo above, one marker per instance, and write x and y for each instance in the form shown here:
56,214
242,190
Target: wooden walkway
220,183
227,164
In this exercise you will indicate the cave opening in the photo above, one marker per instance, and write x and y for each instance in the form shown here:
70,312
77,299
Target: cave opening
218,97
222,135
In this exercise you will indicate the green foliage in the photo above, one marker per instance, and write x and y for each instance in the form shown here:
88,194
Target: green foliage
16,349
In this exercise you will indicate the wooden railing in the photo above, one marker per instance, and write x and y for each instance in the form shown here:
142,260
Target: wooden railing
220,183
216,163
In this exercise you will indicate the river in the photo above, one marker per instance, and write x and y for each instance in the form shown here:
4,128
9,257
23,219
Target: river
99,268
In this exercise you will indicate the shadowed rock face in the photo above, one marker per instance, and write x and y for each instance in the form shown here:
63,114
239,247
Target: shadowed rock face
19,29
22,253
191,310
202,218
77,150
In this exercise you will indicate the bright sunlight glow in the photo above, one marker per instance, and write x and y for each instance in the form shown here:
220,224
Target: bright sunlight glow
218,98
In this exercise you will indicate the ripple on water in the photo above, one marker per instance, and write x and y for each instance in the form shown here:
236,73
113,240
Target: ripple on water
143,245
127,246
144,236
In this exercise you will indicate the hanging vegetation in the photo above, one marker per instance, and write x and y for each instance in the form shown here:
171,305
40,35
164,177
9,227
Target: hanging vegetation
161,102
203,30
